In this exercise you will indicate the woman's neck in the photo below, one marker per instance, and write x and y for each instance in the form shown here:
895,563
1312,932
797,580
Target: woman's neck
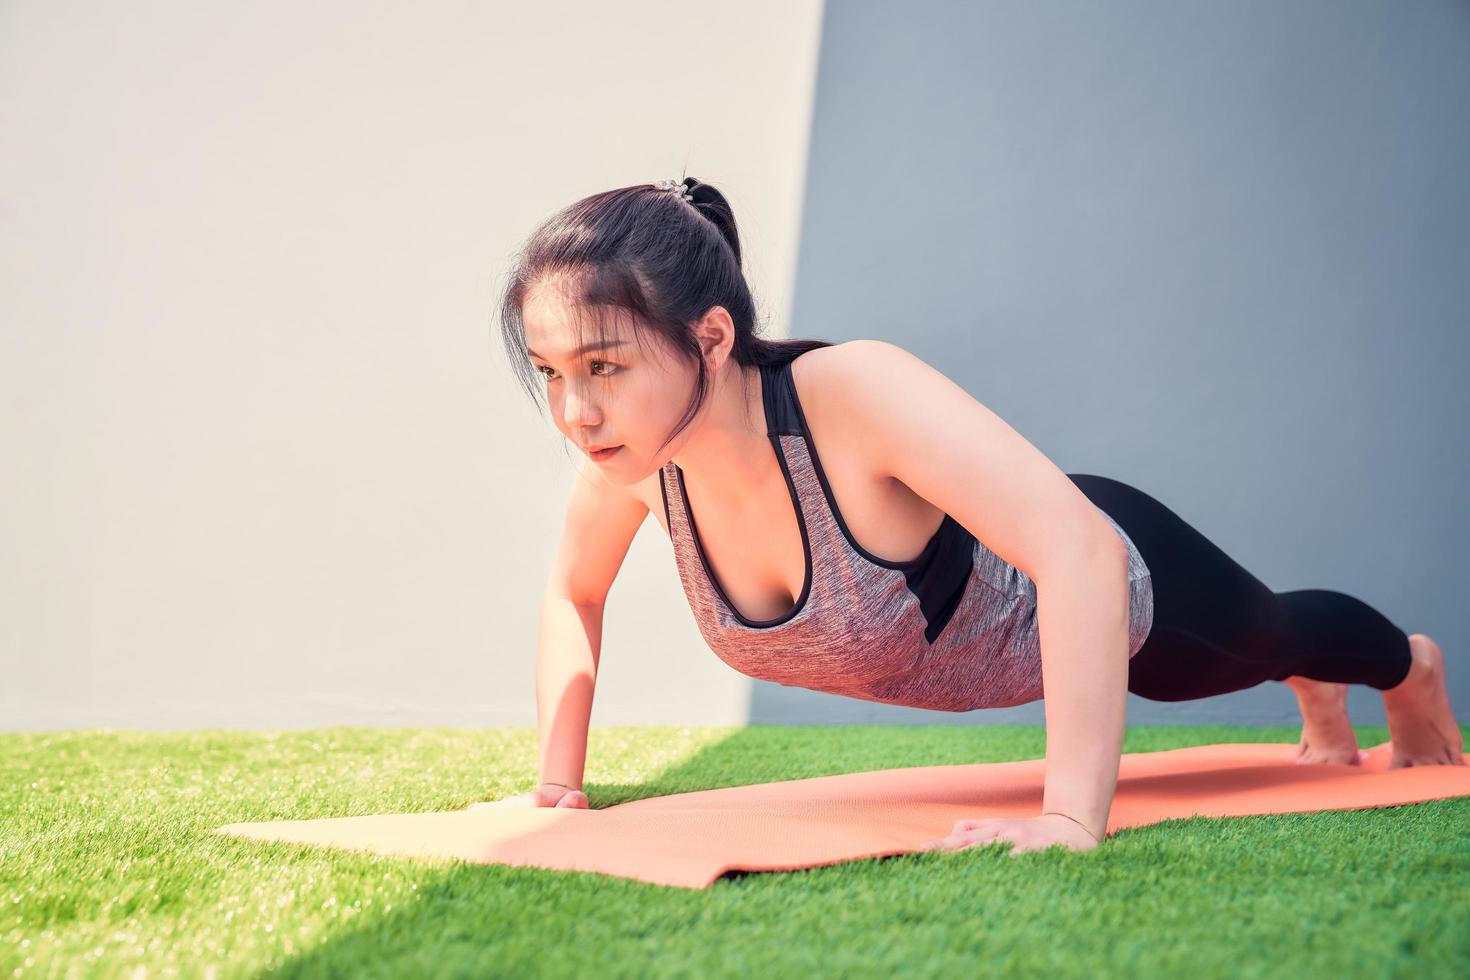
728,455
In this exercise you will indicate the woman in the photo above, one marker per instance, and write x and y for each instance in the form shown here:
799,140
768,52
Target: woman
845,518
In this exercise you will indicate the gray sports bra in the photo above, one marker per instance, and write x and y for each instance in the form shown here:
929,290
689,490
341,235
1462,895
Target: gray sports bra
952,630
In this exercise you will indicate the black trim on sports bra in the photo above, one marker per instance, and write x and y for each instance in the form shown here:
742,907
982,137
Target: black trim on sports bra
940,572
771,404
806,547
937,576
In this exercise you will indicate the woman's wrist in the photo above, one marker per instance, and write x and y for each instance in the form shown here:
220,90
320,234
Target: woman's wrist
1054,813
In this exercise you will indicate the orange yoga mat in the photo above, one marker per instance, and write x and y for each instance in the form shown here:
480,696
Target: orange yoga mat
690,839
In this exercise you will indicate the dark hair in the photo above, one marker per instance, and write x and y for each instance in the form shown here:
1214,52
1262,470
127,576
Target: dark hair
644,252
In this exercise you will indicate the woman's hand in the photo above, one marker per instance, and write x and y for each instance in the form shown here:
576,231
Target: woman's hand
547,794
1028,834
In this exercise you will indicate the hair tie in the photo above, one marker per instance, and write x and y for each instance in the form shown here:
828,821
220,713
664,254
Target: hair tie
677,186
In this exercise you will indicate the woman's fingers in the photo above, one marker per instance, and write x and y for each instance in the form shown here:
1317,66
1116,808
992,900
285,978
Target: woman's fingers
572,799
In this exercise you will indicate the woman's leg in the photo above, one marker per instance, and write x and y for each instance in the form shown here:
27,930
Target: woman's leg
1217,629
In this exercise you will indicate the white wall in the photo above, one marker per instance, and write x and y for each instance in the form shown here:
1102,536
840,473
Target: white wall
265,464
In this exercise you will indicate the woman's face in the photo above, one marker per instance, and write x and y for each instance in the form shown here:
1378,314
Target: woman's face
615,392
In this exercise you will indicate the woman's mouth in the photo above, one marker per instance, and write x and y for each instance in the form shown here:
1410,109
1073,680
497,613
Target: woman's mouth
601,454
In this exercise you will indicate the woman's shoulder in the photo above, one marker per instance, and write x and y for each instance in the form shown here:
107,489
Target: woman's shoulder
827,379
825,375
824,365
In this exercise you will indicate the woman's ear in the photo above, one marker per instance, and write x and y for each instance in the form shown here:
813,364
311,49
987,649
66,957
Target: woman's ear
716,333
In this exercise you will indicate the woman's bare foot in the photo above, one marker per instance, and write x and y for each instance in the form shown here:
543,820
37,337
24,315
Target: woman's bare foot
1327,731
1421,724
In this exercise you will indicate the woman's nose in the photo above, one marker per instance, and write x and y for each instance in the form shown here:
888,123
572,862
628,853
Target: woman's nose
579,409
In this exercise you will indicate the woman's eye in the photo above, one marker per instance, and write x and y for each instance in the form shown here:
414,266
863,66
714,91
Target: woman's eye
543,370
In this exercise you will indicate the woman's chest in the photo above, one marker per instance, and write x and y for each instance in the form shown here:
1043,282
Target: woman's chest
756,554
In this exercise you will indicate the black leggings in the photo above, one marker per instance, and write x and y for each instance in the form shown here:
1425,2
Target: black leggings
1218,629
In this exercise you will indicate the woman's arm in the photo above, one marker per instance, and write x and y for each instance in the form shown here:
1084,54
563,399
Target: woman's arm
1082,614
601,520
929,433
570,639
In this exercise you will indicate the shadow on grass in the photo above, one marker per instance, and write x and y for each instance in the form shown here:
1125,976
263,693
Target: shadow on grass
475,920
487,919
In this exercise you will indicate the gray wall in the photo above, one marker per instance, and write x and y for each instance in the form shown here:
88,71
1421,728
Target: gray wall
1220,251
266,467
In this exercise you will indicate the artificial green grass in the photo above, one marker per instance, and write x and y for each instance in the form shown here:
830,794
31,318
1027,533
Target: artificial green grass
107,868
